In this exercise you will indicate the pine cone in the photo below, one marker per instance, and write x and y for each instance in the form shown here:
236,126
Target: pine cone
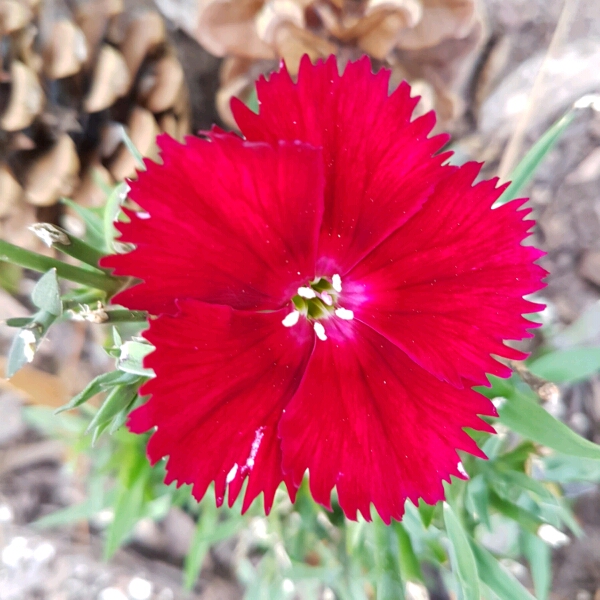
73,73
428,42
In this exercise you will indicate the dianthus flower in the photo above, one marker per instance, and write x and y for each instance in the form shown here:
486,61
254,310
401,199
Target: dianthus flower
328,292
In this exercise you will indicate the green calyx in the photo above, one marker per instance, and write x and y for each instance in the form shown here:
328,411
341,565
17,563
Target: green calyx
316,301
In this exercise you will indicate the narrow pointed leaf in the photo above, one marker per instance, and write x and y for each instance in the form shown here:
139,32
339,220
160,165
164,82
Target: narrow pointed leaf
390,585
527,418
567,366
539,557
132,358
526,169
463,560
496,577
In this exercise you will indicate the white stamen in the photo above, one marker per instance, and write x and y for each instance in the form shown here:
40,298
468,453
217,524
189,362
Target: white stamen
327,299
344,313
291,319
320,331
231,475
336,282
306,292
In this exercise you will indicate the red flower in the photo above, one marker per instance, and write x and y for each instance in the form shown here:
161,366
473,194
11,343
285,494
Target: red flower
329,293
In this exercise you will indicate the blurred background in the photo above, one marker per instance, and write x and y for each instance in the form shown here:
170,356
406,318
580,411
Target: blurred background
73,73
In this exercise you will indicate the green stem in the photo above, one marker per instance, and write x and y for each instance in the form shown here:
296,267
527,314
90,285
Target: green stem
126,316
37,262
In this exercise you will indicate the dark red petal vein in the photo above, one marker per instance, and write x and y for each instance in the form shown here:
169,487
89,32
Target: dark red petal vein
225,221
223,378
371,422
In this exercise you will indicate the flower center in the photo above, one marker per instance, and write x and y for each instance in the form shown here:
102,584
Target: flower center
316,302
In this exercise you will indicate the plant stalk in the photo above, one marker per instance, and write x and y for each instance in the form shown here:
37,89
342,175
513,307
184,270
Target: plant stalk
37,262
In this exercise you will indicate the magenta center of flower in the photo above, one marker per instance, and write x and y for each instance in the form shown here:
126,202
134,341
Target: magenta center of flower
317,302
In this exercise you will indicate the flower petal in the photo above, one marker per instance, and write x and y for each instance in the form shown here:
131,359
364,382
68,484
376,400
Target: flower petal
223,378
371,422
225,221
379,166
448,286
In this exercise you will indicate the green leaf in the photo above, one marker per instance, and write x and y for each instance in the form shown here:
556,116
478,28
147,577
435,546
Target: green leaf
390,585
199,546
525,518
566,366
462,557
92,219
46,293
426,511
539,557
252,101
25,343
525,170
139,159
111,211
71,514
97,385
409,563
477,499
118,398
568,468
132,358
129,504
18,321
527,418
496,577
523,481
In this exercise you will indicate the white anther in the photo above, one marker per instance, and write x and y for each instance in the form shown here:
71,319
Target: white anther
336,282
327,299
306,292
344,313
320,331
291,319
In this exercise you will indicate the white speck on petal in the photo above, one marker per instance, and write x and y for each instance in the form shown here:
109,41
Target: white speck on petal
291,319
306,292
344,313
336,282
320,331
231,475
258,436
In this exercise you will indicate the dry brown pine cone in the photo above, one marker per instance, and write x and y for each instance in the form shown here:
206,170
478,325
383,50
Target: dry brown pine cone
74,72
431,43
